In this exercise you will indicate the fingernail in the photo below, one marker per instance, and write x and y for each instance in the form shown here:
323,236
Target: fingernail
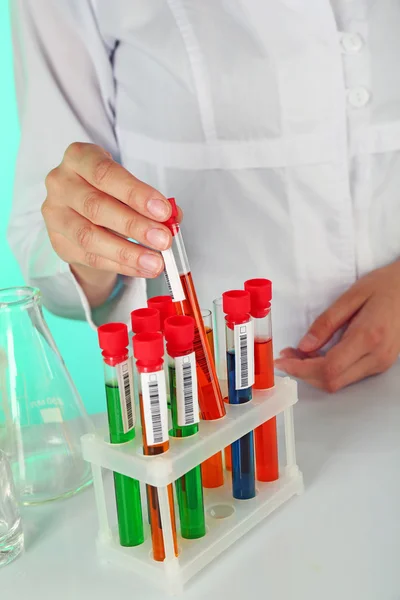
150,263
308,343
158,238
158,208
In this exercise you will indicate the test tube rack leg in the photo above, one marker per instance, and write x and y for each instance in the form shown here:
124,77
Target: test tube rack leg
227,519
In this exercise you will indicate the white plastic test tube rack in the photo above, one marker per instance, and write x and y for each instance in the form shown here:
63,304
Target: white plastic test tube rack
227,519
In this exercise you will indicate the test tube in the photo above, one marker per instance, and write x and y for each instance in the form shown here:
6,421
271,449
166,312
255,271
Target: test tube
179,333
113,340
220,361
266,442
183,293
149,351
212,469
219,340
144,320
240,361
166,308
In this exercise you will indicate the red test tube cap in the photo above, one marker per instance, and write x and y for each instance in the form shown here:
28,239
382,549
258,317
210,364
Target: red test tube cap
179,332
113,338
236,302
145,320
260,293
174,214
165,307
148,347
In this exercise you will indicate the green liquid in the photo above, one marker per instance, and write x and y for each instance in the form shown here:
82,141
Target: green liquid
127,490
189,488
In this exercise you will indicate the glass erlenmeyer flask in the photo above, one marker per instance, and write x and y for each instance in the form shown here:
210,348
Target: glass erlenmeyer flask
41,415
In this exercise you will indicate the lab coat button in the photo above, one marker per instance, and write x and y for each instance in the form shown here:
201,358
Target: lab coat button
358,97
351,42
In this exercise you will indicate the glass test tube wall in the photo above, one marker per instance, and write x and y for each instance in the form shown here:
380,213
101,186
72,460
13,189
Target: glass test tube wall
179,333
240,361
166,309
220,360
183,293
266,442
113,340
149,351
212,469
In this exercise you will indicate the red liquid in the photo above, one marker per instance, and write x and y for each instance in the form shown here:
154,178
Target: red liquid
265,436
210,397
266,445
264,365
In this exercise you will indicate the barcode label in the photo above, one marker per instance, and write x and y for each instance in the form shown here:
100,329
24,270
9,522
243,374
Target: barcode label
172,278
125,385
186,390
155,410
244,355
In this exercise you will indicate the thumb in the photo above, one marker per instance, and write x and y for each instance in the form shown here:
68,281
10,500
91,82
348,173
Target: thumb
333,319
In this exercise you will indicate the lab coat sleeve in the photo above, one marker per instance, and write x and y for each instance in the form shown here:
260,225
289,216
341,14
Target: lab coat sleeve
65,93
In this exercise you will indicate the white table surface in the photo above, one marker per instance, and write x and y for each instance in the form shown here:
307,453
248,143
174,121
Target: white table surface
340,540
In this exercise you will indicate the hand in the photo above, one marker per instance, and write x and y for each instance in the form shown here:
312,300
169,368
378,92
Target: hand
93,204
370,343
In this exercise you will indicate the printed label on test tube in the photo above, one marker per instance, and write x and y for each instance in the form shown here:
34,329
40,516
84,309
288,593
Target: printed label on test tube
172,276
186,390
125,385
244,355
154,394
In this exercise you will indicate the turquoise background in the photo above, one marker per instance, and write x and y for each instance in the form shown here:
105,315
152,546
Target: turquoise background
76,341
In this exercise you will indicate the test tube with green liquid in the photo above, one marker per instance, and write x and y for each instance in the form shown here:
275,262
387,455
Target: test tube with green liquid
179,334
114,341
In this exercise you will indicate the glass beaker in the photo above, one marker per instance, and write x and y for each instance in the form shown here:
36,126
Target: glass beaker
11,534
42,417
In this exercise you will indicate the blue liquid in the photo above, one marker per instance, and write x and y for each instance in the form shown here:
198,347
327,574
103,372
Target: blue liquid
243,468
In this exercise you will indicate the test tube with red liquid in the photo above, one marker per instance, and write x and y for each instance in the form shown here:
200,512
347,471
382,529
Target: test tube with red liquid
183,293
266,443
149,351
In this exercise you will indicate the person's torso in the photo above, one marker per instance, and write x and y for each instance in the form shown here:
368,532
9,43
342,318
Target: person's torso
276,125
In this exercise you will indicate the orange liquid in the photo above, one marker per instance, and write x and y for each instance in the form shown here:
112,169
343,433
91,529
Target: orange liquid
228,458
210,340
210,397
153,504
212,471
263,365
266,445
265,436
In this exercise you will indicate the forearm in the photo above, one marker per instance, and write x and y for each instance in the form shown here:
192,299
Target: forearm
96,285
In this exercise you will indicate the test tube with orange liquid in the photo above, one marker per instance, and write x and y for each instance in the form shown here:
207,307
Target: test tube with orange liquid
149,351
183,293
266,443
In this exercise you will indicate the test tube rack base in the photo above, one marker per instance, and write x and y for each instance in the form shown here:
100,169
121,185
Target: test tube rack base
227,519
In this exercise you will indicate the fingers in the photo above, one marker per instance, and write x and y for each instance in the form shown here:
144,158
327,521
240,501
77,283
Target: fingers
296,353
335,317
96,166
303,368
362,368
101,209
98,248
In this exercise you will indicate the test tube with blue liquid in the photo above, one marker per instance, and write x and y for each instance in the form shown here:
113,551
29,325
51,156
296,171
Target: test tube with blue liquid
240,365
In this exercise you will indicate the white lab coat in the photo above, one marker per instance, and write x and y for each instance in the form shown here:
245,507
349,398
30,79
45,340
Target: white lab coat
275,123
